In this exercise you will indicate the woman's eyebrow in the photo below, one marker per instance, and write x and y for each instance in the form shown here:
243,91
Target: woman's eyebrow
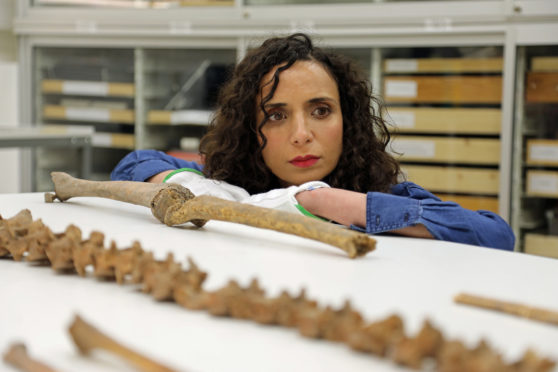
313,100
274,105
321,99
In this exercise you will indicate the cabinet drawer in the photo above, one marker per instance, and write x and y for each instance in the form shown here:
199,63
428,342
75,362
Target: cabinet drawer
473,202
88,88
542,183
441,89
542,87
446,120
114,140
542,152
93,114
455,65
454,179
165,117
541,64
541,245
451,150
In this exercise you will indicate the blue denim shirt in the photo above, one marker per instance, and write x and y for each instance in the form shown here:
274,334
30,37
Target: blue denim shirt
407,204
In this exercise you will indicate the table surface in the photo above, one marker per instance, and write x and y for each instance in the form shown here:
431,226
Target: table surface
414,278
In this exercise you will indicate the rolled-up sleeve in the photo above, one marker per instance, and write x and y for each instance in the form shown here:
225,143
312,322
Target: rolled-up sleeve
140,165
409,204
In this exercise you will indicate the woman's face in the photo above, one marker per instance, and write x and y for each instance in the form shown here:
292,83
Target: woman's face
305,129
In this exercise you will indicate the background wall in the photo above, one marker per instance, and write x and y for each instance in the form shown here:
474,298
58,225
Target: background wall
9,166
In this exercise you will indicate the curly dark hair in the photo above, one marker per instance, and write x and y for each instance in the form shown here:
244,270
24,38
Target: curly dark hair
231,148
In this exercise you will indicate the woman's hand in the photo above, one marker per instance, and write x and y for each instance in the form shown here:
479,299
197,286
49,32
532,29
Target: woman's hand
347,208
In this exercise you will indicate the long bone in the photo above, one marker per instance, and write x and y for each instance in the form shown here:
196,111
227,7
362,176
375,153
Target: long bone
88,338
17,356
173,204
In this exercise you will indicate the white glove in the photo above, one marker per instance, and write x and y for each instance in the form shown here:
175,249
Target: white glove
199,185
284,199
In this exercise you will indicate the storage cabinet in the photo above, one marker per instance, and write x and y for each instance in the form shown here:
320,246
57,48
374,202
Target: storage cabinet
537,121
445,105
99,86
85,86
179,91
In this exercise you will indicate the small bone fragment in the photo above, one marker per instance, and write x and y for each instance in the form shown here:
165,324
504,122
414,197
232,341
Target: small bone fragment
531,362
105,262
38,239
454,356
17,248
378,337
411,352
451,356
333,325
264,310
289,313
190,298
344,323
126,261
485,359
155,271
11,231
219,301
88,338
17,356
141,266
163,280
312,321
240,306
84,255
530,312
187,289
60,252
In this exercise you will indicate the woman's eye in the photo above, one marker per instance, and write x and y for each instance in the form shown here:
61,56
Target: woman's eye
276,116
321,111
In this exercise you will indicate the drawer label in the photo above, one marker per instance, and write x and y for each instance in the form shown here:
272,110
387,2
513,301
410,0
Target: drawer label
190,117
414,148
403,119
91,114
401,65
88,88
102,140
401,88
546,183
544,152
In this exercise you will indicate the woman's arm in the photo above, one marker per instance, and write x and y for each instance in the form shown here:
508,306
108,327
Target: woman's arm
348,208
159,177
142,165
410,210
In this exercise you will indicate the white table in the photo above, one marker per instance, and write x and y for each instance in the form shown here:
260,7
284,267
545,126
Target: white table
414,278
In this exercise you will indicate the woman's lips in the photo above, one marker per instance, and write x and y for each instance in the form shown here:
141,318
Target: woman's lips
304,161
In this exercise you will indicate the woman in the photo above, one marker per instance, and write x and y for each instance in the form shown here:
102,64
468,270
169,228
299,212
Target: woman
296,126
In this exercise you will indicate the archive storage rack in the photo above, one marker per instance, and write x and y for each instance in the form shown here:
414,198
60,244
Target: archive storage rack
445,69
535,202
446,107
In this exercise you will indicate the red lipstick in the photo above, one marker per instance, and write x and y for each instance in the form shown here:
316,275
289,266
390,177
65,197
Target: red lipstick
304,161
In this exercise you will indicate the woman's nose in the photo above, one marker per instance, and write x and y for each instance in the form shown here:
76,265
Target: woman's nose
301,132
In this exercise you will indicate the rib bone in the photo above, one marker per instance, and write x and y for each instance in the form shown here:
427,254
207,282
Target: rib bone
87,338
17,356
